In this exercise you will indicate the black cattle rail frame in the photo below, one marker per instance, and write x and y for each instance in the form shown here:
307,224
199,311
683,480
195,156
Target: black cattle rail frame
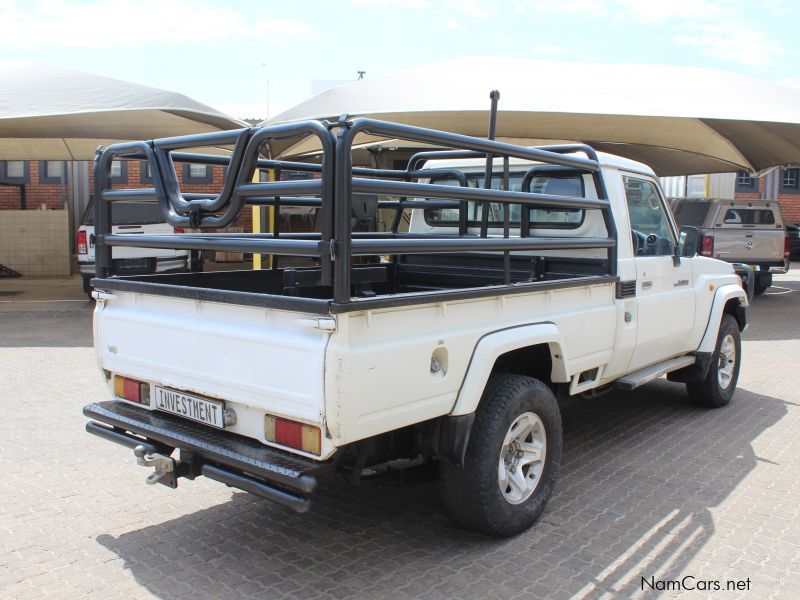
331,187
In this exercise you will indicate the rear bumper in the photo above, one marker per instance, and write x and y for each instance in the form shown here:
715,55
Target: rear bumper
236,461
780,270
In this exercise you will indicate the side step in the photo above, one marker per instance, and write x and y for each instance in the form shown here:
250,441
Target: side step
633,380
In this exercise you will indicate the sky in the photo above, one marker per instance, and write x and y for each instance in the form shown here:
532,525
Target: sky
256,58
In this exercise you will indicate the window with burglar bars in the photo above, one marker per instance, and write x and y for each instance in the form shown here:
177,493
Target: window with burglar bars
745,182
791,180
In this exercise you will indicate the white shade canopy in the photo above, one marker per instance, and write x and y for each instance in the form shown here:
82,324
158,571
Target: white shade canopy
49,112
679,120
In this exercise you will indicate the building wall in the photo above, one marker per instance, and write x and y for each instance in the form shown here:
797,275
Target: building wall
35,242
789,199
52,195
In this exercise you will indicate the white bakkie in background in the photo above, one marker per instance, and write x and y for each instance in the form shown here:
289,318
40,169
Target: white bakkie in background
129,218
267,396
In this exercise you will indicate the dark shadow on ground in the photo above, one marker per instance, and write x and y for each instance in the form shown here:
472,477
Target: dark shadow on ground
639,474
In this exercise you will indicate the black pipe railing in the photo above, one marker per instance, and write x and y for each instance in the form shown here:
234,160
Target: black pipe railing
335,244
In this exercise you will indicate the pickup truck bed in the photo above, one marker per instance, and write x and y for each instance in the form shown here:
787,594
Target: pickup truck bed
373,285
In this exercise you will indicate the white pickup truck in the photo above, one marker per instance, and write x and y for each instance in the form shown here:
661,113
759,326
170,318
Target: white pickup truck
445,345
132,218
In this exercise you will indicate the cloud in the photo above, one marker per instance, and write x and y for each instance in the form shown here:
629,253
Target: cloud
416,4
583,8
716,28
690,10
131,23
469,8
734,42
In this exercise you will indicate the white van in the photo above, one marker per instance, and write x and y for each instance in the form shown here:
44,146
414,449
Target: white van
129,218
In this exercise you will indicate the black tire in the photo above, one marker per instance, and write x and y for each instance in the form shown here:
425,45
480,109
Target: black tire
472,493
709,392
762,283
87,287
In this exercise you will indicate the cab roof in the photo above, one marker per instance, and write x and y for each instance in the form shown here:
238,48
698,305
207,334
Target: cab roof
477,164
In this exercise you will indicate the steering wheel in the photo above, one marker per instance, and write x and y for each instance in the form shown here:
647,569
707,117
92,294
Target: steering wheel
643,242
639,241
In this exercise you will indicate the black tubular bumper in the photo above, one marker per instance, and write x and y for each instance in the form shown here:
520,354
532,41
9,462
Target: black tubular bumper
237,461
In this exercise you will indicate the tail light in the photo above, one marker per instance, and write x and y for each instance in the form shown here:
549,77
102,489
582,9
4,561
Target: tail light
178,230
131,389
707,246
295,435
82,245
787,247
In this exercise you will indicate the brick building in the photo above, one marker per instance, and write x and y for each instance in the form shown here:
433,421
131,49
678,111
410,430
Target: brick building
780,183
30,184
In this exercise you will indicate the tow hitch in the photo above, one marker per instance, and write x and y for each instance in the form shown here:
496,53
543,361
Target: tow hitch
164,466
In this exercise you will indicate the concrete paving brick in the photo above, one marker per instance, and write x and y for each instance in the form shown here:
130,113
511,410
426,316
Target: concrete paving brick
651,486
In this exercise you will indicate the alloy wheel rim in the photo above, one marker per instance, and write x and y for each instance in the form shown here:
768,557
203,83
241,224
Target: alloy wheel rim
727,362
522,457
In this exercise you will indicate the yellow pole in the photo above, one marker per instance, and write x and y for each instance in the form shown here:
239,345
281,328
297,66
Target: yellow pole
259,227
256,229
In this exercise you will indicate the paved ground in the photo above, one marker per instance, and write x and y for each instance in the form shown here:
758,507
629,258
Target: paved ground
651,486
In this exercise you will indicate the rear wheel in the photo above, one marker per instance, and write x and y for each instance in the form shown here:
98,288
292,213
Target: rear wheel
717,388
762,283
512,460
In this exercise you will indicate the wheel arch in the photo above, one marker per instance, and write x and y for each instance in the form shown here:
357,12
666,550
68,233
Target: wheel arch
491,349
728,299
489,352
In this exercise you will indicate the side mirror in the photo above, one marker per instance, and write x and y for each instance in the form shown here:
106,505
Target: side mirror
688,242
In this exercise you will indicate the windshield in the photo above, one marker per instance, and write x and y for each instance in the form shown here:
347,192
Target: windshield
547,218
128,213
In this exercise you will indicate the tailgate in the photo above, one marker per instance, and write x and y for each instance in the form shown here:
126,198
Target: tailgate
749,245
260,359
124,252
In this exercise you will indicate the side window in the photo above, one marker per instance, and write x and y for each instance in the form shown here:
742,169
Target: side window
651,231
732,217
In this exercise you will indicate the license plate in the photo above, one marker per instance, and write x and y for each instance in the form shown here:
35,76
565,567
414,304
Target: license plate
191,407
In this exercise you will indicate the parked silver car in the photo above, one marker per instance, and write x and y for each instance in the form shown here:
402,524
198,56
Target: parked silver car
750,232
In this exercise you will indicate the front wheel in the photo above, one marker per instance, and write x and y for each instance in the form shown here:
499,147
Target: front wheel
717,388
512,460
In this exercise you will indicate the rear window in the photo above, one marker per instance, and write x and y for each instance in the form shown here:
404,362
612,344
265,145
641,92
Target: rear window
540,218
128,213
749,216
690,213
